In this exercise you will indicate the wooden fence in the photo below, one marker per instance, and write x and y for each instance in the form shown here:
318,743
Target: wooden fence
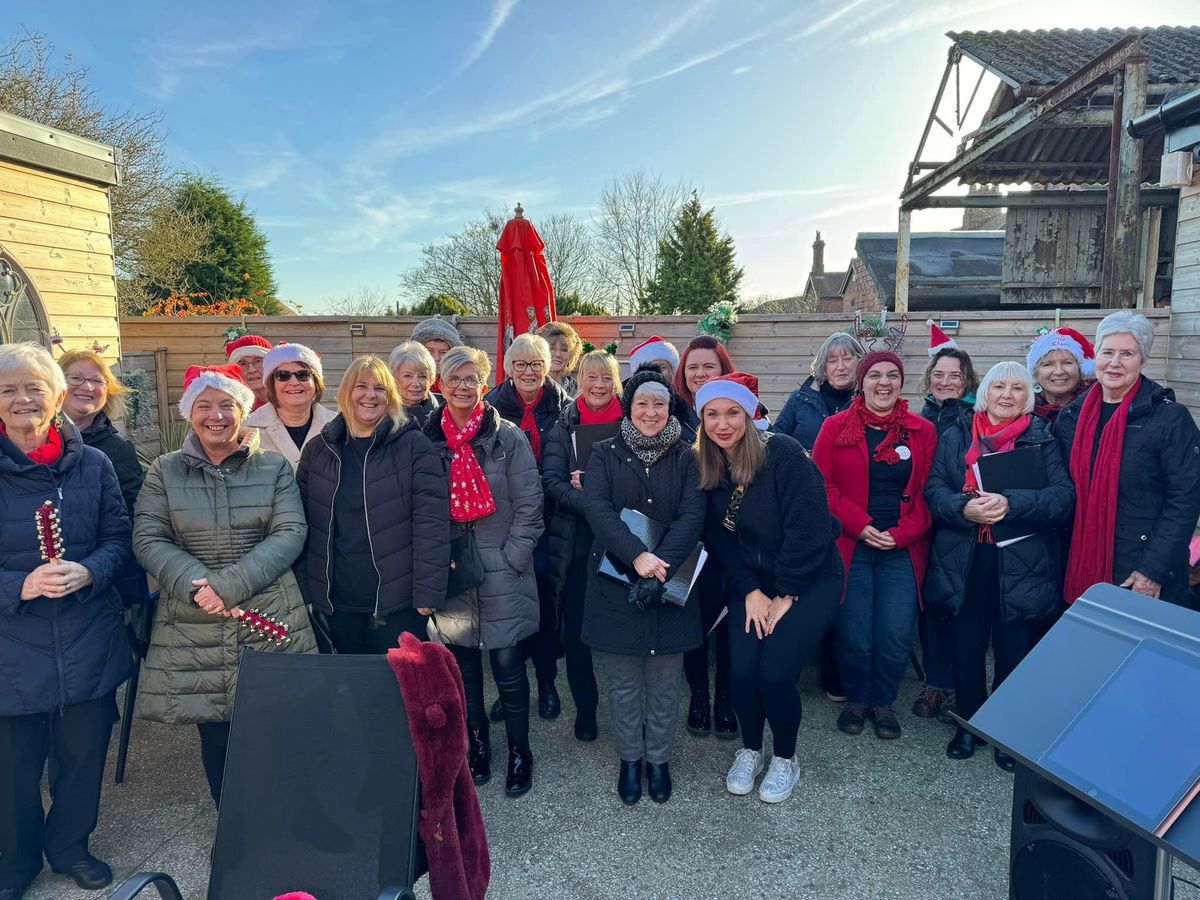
778,349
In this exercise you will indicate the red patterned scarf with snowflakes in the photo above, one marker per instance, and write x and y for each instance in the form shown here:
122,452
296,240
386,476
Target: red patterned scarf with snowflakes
470,494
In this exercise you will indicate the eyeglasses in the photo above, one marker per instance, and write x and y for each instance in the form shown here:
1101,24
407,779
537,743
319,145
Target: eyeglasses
520,366
80,381
467,381
953,376
303,375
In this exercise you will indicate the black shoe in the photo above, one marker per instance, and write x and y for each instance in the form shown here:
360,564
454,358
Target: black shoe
520,771
725,723
852,719
497,711
89,873
585,726
658,782
698,721
549,706
887,728
962,745
629,782
479,755
1004,761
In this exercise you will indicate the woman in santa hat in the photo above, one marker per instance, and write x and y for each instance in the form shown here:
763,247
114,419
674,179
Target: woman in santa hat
293,414
654,353
770,531
218,525
247,352
1062,362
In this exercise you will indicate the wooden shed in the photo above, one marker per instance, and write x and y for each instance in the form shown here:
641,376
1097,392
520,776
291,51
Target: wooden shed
57,275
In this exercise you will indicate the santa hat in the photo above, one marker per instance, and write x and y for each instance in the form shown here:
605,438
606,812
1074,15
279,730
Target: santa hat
939,340
651,349
286,353
227,378
436,328
1063,338
247,345
739,387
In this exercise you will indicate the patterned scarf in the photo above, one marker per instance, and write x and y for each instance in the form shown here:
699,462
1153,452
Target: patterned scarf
50,452
1091,560
611,413
529,423
470,494
651,449
858,418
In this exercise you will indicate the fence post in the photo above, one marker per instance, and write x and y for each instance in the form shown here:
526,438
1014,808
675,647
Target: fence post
162,388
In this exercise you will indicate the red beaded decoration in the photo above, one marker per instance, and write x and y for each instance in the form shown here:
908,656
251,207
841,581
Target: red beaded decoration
49,532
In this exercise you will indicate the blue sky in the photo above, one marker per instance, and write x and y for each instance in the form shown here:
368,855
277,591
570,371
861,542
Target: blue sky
357,131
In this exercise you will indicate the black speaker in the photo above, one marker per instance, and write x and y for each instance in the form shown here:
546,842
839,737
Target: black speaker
1063,849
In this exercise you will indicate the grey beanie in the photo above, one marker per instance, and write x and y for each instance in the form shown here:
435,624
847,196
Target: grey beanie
438,329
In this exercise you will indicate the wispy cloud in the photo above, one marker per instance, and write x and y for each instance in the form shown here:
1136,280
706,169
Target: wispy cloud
500,11
928,17
832,18
741,70
174,67
746,197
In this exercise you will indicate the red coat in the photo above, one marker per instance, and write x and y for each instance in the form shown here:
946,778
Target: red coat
847,484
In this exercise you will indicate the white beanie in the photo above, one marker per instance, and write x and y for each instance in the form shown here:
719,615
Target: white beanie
227,378
286,353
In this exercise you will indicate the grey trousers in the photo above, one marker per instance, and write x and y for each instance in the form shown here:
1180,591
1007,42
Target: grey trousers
643,701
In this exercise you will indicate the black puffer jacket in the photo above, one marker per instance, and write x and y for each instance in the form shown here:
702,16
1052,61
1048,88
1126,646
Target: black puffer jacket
56,653
1031,570
506,402
420,413
948,413
803,414
568,525
408,515
1158,495
689,420
668,492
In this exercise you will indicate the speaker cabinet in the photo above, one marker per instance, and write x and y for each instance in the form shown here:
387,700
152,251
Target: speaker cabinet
1063,849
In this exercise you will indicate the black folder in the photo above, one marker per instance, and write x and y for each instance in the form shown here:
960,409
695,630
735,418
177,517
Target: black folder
649,532
585,436
1022,469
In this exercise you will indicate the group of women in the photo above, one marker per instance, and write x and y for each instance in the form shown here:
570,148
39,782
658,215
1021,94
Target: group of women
490,520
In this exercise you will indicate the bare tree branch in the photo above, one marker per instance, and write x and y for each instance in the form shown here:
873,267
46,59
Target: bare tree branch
364,302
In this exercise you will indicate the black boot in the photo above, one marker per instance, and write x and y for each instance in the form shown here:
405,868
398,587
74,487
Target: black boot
962,745
549,706
479,754
497,711
1004,761
725,723
629,782
658,781
520,770
698,721
585,725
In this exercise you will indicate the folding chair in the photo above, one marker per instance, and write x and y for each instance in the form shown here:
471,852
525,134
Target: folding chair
320,792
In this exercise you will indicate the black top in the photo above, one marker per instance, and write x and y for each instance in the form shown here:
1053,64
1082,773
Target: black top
299,432
355,580
835,400
1107,410
886,485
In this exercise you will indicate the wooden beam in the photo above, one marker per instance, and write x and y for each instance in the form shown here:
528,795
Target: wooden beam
903,253
1108,251
1129,179
1014,200
951,58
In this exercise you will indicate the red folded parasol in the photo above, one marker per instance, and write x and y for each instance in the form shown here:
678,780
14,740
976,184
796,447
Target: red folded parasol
526,294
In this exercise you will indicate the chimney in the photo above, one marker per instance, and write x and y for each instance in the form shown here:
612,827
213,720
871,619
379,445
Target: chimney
818,263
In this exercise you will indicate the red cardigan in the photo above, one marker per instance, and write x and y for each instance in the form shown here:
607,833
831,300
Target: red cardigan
847,484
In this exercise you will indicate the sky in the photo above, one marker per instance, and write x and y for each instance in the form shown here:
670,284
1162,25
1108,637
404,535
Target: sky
359,130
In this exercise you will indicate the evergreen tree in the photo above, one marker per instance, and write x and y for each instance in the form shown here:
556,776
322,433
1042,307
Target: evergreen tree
435,305
696,269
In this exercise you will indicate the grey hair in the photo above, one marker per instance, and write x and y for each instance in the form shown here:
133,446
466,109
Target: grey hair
1125,322
413,353
654,389
839,340
457,357
1007,369
34,358
528,345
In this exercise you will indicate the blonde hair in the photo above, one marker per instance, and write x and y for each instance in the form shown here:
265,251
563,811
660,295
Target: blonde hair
741,463
527,345
377,369
555,330
114,406
600,361
457,357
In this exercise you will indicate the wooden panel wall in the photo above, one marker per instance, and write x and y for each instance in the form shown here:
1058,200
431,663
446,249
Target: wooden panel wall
58,229
778,349
1184,367
1052,255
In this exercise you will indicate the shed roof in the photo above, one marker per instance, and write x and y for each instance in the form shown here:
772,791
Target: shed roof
945,268
44,147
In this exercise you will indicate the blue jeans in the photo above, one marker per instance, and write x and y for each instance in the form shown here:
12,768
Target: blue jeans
875,625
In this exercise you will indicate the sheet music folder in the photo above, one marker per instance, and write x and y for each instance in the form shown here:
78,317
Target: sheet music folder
1019,469
649,532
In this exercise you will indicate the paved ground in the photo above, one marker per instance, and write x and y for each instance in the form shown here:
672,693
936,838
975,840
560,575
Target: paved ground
870,819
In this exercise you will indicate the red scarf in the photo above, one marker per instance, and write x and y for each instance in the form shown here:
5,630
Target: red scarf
1049,411
611,413
529,423
858,418
989,438
470,494
50,452
1091,560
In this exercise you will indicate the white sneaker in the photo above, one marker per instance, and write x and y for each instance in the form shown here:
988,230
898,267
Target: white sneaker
746,767
781,778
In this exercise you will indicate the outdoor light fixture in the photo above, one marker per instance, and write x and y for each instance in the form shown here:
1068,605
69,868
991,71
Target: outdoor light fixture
626,329
357,329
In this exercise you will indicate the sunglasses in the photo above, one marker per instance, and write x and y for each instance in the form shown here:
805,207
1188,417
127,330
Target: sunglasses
303,375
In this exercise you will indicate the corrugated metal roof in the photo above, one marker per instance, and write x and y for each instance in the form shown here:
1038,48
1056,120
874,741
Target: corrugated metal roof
1046,57
949,267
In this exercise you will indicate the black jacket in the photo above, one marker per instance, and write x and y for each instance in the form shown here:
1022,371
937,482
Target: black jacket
1031,570
504,398
803,414
947,414
102,434
408,516
668,492
56,653
429,406
689,421
1158,494
785,535
568,524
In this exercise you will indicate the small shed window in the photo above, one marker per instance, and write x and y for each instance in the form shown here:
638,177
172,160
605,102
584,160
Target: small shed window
22,317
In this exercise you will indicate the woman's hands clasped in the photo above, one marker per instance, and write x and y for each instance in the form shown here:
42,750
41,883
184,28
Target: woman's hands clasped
206,598
55,579
648,565
986,509
764,613
880,540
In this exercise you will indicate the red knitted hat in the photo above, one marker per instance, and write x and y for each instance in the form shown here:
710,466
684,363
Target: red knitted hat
877,356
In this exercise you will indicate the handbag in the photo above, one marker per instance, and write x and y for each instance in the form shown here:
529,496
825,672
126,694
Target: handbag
466,565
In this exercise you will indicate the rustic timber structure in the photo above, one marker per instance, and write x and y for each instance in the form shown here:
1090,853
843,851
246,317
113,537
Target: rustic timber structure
1055,121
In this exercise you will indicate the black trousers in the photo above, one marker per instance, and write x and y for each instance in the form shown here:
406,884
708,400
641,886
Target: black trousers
508,668
544,646
764,671
363,633
710,591
75,739
978,624
581,673
214,742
